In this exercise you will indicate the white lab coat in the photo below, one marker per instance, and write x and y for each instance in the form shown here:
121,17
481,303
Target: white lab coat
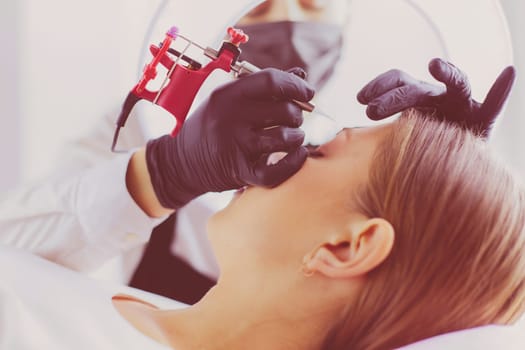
83,217
45,306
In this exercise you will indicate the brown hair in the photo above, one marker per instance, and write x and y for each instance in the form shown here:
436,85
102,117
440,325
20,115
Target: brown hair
458,259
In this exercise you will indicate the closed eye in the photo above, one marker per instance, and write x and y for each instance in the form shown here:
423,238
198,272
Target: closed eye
315,153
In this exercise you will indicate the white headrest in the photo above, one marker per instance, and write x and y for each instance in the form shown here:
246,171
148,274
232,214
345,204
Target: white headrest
481,338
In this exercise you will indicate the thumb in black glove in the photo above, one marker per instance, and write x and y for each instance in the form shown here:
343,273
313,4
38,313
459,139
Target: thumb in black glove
225,143
395,91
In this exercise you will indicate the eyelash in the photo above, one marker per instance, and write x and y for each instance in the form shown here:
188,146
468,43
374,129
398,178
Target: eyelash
315,154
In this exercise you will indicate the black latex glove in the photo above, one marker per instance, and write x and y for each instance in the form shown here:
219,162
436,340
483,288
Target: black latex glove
395,91
225,143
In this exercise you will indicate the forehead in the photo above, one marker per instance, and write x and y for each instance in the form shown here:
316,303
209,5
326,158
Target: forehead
333,11
378,132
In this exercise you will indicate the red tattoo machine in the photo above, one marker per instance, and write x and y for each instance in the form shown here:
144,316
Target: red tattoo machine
185,76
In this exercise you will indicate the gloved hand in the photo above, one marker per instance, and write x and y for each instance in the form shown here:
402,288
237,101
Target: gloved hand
225,143
395,91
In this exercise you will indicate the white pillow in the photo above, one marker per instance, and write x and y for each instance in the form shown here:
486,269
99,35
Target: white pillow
480,338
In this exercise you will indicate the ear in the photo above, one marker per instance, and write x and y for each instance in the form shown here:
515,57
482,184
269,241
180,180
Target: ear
354,253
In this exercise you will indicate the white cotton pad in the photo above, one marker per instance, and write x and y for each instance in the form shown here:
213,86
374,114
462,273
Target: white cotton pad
274,158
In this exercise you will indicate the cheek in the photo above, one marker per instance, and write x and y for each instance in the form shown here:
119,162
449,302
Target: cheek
259,227
285,221
256,212
255,228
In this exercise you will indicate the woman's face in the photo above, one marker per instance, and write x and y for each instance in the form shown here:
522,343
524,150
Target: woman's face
280,225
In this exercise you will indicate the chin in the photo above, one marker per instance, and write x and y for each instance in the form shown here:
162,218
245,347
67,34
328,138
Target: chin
229,219
224,229
214,223
223,220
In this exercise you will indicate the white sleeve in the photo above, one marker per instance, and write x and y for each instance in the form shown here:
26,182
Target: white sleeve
79,222
64,307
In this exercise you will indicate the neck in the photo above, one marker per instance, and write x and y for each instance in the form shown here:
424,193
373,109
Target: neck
234,318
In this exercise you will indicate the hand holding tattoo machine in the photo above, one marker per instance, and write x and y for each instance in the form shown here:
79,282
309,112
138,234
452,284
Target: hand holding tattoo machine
185,76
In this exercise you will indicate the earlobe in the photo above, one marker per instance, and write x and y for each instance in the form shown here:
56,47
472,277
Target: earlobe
355,253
